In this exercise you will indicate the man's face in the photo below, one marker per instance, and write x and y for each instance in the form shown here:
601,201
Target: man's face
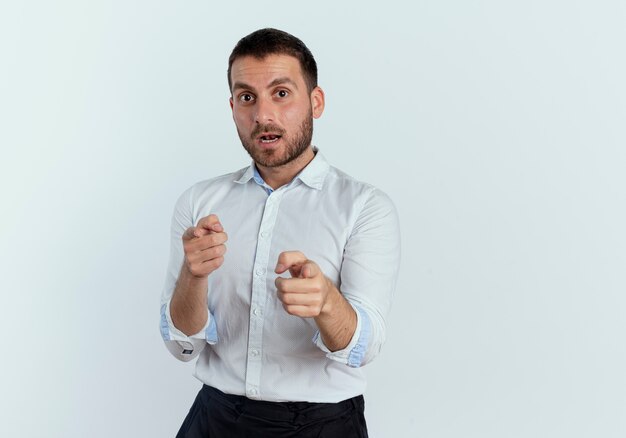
272,108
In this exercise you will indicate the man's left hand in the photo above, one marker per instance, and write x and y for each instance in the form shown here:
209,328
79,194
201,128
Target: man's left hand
306,294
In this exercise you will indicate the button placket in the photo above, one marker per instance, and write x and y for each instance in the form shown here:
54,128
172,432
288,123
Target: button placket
259,295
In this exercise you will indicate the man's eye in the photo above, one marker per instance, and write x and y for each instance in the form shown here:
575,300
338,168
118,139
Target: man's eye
246,98
282,93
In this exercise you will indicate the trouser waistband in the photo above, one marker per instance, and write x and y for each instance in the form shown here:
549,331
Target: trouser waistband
283,411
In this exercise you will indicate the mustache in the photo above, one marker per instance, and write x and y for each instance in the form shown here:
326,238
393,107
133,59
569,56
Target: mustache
267,128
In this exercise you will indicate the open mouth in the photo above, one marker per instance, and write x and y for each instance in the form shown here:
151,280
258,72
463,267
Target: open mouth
269,138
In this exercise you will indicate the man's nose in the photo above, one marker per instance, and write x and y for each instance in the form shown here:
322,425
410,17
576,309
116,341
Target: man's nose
264,111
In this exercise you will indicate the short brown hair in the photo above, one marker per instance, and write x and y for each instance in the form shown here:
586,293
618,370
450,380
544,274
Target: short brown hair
268,41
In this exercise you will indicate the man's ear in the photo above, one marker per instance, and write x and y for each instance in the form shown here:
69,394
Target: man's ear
317,102
230,100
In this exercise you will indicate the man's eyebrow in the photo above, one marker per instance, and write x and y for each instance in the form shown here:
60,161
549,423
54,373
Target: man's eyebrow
281,81
243,85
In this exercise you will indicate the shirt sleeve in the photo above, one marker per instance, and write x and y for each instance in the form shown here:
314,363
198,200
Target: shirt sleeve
368,278
183,347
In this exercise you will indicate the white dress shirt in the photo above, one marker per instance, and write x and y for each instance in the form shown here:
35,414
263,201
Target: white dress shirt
250,345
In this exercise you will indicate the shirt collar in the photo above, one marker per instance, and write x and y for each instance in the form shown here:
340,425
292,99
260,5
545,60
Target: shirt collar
246,174
313,175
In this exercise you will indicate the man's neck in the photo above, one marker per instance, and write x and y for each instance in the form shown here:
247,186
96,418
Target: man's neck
276,177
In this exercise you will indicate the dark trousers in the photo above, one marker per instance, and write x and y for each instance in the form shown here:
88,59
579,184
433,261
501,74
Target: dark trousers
218,415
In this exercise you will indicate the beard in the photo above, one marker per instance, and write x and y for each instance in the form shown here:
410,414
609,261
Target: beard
293,148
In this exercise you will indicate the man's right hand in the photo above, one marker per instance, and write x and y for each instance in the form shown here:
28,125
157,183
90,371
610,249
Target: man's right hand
204,246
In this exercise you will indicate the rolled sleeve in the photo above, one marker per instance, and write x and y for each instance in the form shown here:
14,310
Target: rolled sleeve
353,354
184,347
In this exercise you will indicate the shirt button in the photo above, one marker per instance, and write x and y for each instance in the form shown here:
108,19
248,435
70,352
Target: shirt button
255,352
264,234
260,271
253,392
256,311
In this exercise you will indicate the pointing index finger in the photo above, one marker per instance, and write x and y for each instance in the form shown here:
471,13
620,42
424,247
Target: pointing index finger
211,223
289,259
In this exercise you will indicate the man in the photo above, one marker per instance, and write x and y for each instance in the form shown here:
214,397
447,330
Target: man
283,321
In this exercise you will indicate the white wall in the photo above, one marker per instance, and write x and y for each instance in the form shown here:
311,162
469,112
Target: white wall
497,127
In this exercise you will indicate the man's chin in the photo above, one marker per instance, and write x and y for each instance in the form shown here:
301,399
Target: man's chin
273,157
271,160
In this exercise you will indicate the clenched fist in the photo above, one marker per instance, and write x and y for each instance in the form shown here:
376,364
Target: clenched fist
204,246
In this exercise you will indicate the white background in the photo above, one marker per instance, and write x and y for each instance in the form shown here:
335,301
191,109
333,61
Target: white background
497,127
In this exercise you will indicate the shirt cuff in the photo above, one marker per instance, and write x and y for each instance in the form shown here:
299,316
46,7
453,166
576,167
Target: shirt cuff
185,347
354,353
